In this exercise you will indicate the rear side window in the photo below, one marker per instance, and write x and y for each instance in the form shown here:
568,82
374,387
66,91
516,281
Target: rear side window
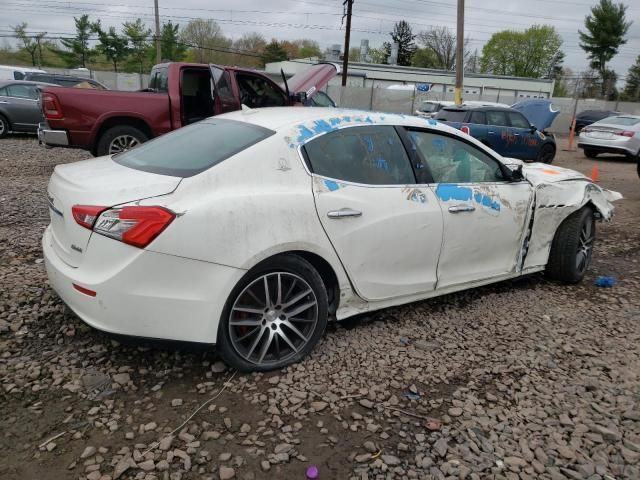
22,91
496,117
452,115
478,117
18,75
193,149
367,155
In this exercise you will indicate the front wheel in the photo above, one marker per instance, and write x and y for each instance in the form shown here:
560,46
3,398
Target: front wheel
590,153
120,139
4,126
547,153
572,247
274,316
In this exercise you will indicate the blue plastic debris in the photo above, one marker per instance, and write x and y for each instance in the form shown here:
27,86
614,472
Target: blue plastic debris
605,282
412,396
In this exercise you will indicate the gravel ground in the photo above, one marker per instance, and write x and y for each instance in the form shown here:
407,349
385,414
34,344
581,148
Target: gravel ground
523,379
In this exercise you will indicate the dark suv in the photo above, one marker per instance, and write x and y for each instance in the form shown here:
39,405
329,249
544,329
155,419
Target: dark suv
505,130
65,80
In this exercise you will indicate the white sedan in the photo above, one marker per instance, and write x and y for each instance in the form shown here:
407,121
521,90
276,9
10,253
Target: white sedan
251,229
618,134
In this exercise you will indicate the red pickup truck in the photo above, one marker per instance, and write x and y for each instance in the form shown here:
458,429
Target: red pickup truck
107,122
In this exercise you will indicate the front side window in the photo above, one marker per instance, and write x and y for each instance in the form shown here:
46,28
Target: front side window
518,120
367,155
478,117
222,82
453,161
3,92
193,149
257,92
497,117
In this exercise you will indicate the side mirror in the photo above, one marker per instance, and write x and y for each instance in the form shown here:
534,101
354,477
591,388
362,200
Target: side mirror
533,129
516,175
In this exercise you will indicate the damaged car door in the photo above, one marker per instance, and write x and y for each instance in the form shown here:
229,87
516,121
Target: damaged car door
485,213
386,230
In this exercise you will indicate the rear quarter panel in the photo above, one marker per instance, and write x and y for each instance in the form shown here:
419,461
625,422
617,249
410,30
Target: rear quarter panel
85,111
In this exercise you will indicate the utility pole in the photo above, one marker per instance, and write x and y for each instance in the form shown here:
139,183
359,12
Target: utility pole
158,52
459,54
347,37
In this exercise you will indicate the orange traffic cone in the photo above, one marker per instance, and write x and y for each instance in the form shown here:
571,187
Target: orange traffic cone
595,173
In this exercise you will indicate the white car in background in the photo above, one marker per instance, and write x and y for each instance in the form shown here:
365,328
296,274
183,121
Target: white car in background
250,230
618,134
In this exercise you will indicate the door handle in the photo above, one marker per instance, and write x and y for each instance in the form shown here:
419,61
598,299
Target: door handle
343,213
462,208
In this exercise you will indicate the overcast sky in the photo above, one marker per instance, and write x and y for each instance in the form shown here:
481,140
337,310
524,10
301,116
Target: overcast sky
321,20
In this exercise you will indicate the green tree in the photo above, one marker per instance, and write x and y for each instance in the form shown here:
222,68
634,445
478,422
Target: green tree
31,43
425,58
606,27
378,55
78,53
171,47
354,54
208,43
561,87
404,37
138,36
273,52
442,42
532,53
311,48
632,86
113,46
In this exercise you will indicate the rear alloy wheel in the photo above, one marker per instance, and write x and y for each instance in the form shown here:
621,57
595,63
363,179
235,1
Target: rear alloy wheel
572,247
590,153
120,139
4,126
275,316
547,153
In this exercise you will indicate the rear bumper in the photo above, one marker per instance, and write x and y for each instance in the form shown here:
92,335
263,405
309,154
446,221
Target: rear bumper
51,137
142,293
625,146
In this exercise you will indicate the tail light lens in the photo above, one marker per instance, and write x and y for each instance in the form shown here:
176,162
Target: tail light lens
51,106
626,133
136,226
86,215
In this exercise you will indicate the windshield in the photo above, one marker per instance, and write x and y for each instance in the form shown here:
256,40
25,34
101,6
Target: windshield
624,121
193,149
427,107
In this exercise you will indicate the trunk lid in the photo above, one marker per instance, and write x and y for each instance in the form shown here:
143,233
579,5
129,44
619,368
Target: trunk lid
312,79
99,182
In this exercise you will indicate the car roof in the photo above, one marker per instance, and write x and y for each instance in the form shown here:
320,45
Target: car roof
478,108
26,82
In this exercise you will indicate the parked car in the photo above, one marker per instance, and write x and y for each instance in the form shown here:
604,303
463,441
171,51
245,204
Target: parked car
65,80
619,134
430,108
251,229
516,132
587,117
106,122
8,72
19,107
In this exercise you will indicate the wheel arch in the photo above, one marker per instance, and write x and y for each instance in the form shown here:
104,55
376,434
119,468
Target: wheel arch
326,271
118,121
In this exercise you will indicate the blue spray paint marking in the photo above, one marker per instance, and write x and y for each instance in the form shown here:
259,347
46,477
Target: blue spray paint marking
335,121
451,191
433,122
369,141
382,164
331,185
439,143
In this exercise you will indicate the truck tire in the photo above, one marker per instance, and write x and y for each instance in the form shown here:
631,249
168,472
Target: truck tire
4,126
572,247
120,139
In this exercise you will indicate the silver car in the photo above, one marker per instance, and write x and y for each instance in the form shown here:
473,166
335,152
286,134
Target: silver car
20,106
617,134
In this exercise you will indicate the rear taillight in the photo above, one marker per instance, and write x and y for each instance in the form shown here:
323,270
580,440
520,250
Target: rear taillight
51,106
626,133
86,215
585,130
136,226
